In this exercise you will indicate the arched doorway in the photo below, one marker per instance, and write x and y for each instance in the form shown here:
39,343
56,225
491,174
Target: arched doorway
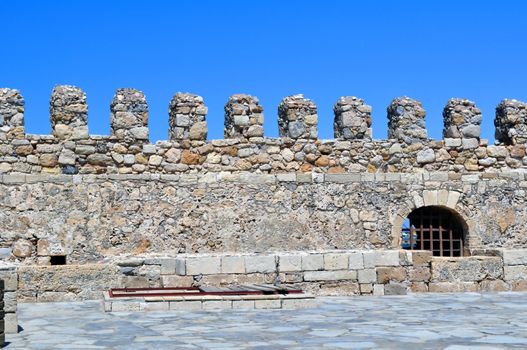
434,228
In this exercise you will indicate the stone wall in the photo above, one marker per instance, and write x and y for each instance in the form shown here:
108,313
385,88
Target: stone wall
323,272
87,201
90,217
71,150
9,280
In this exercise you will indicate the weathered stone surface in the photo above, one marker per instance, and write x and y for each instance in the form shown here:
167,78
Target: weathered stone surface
467,269
187,117
462,119
352,118
511,122
11,114
330,275
84,281
514,256
260,264
203,265
23,248
406,121
243,117
297,118
68,113
129,116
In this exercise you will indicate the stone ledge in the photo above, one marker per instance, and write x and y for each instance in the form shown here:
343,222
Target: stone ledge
287,301
248,177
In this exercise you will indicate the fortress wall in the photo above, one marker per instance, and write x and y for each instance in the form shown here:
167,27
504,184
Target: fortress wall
95,200
88,218
69,149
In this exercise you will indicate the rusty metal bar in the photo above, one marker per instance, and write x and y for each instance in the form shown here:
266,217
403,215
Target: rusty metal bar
121,292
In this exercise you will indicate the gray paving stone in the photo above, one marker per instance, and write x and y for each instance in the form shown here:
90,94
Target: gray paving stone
415,321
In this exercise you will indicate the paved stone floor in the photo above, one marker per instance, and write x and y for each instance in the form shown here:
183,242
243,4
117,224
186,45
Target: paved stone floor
424,321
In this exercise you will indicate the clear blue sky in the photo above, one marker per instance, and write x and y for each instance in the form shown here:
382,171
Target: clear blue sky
376,50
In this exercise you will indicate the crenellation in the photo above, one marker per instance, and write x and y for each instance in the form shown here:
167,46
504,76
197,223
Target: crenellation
297,118
511,122
187,117
352,119
244,117
11,115
68,113
129,116
462,119
406,121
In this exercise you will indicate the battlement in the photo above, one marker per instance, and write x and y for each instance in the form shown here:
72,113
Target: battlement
69,149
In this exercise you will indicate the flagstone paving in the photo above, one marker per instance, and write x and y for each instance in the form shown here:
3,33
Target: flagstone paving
421,321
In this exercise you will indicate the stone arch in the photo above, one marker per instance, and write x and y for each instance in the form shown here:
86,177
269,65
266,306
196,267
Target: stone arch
439,198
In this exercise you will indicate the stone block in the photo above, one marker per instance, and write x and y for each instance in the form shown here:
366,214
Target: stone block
176,281
185,305
418,287
243,304
514,256
168,266
135,282
216,304
387,274
339,288
10,304
336,261
126,306
367,276
206,265
378,289
466,269
299,303
356,260
449,287
69,278
430,197
329,275
514,273
154,306
268,304
419,274
374,258
312,262
290,263
292,277
10,279
370,259
366,288
405,258
181,266
260,263
453,198
395,289
233,264
11,323
493,286
421,258
519,286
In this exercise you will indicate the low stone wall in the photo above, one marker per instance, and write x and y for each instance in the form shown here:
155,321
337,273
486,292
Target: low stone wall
9,278
2,321
338,272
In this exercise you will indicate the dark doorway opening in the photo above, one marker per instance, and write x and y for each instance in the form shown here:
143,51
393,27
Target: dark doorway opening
434,228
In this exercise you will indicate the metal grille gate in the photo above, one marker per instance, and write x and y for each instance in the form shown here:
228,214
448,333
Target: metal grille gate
435,229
